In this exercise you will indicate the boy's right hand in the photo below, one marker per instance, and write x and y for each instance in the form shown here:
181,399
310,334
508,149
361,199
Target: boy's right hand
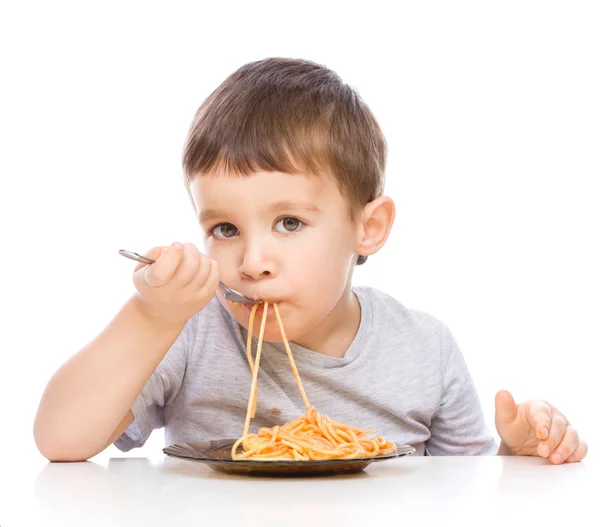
178,285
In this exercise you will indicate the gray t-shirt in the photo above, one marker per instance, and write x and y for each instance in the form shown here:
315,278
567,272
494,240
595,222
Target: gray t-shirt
403,376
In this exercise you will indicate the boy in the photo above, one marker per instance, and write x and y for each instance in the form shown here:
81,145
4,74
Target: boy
284,165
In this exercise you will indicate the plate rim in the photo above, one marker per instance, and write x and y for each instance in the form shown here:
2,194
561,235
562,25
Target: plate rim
408,451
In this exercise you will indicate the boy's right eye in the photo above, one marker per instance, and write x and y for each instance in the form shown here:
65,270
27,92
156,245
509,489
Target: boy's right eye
224,231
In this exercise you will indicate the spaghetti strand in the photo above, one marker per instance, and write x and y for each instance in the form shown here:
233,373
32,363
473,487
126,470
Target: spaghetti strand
249,339
291,357
253,386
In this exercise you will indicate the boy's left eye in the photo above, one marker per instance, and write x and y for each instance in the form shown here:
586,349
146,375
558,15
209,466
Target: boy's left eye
287,225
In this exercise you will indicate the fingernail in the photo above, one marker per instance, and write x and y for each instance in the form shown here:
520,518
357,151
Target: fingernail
556,457
571,459
178,246
163,251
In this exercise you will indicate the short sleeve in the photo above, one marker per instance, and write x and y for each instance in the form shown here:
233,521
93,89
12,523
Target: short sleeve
458,428
160,390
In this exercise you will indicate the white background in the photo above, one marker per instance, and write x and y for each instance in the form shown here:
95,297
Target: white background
491,112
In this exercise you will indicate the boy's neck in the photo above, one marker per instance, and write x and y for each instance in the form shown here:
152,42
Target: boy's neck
335,334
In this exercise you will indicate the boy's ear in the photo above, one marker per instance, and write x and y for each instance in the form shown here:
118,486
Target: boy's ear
375,224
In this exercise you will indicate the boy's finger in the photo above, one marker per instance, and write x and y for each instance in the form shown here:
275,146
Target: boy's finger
580,452
540,418
566,447
202,274
154,254
506,408
558,427
212,282
160,272
189,266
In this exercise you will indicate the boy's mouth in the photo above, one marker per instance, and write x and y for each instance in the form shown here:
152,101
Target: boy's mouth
260,309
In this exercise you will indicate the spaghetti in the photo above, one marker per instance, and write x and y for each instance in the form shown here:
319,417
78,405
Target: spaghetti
312,436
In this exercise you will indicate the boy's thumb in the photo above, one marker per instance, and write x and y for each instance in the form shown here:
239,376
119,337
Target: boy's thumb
506,408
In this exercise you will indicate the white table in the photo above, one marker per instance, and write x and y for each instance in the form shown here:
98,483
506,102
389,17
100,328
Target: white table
408,491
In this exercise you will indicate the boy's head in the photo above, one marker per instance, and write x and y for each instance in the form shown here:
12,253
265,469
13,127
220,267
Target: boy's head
285,166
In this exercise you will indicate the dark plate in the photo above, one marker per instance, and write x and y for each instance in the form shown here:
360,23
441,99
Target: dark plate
217,455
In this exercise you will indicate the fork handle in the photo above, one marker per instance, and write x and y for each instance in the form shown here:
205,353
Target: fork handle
137,257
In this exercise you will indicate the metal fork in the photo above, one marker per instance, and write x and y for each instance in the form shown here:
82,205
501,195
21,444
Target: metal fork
230,294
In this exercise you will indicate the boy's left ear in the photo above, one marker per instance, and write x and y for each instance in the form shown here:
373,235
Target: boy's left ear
375,225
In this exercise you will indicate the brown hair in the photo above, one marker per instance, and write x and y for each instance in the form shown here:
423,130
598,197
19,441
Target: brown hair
291,116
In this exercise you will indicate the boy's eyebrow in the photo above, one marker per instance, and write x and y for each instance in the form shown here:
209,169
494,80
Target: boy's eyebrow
210,214
294,205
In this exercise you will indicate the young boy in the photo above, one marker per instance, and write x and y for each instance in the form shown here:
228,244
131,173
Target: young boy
284,165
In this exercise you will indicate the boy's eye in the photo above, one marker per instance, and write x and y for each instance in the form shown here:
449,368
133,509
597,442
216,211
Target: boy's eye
224,230
286,225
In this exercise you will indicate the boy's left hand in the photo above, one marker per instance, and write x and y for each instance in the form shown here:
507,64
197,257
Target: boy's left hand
536,428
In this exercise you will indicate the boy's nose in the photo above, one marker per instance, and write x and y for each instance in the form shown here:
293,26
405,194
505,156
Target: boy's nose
256,264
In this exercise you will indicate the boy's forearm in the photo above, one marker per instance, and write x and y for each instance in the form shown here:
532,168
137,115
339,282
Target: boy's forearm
89,395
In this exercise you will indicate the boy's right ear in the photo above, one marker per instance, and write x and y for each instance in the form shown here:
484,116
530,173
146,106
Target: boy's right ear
375,224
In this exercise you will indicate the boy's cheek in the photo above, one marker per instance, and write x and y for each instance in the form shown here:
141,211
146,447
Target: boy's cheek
323,275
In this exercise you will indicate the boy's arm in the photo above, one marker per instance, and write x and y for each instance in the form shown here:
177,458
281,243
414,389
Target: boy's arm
87,403
123,425
89,398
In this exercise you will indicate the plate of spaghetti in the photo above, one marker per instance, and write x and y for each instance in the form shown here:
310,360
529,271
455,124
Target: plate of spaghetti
312,444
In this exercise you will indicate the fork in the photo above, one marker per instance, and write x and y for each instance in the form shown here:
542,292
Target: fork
230,294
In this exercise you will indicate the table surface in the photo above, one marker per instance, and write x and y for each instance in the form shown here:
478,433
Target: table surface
405,491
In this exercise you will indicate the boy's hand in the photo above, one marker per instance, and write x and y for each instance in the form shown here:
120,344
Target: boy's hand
536,428
178,285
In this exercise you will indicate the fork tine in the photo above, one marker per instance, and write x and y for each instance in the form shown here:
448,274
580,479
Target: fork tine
233,296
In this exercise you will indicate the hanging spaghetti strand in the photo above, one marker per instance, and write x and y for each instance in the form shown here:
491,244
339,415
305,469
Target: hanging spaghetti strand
249,339
249,355
291,357
253,386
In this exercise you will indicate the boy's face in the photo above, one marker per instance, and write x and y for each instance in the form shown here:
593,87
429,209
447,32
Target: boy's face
279,237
